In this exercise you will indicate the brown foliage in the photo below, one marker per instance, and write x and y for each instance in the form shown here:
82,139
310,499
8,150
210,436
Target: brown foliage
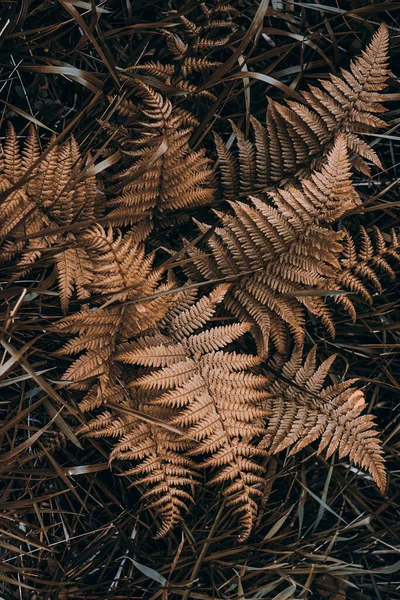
298,136
174,390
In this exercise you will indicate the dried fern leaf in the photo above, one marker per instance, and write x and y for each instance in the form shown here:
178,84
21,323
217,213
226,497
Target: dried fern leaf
54,195
307,411
165,174
273,250
163,469
210,394
188,50
211,28
299,135
119,268
362,268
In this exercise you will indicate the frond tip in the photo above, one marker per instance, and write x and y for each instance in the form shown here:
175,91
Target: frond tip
298,136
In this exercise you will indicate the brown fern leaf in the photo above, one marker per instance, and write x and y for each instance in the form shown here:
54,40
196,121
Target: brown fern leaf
299,135
210,394
273,250
361,268
120,268
211,27
306,411
198,65
170,75
163,469
166,175
206,27
53,196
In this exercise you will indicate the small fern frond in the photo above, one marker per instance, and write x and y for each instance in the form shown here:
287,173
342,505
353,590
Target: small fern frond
118,267
362,268
163,469
165,175
307,411
202,29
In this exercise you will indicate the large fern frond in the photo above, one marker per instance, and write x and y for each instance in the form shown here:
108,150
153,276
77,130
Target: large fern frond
211,396
298,136
272,250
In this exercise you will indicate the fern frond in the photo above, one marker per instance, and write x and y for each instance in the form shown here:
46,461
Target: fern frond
307,411
273,250
299,135
166,175
210,394
175,45
189,48
73,269
361,269
193,64
212,28
118,267
52,197
163,469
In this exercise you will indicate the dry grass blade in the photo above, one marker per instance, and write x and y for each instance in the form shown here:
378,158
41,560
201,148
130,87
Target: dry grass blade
47,389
